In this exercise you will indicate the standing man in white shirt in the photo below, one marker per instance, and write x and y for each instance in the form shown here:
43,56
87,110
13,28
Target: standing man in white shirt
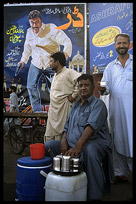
64,93
118,76
42,40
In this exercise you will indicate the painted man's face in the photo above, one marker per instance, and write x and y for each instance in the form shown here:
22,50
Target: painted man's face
35,24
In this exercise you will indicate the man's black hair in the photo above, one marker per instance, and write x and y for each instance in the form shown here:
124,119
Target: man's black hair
60,56
13,88
34,14
85,77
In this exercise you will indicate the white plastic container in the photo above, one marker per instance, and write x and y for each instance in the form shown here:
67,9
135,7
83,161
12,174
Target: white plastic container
66,188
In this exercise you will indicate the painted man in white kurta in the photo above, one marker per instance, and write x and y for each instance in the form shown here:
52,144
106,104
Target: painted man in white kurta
42,40
119,86
64,92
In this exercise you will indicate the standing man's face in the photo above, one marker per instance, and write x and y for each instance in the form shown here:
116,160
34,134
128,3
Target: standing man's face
122,45
53,64
35,24
10,90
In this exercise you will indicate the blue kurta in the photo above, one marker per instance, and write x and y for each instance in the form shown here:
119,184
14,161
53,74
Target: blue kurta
14,102
94,113
120,85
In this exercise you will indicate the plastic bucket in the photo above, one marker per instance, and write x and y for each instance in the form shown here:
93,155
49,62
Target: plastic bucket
37,151
30,184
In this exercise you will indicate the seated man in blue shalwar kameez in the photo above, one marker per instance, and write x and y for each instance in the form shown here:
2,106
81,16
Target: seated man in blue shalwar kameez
86,136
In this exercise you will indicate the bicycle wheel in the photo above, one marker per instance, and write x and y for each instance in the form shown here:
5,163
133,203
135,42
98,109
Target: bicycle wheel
16,139
38,134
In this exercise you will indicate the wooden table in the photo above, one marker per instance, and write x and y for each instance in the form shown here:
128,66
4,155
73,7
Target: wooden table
25,115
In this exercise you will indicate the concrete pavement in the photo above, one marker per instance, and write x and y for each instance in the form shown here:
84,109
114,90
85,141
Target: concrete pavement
119,192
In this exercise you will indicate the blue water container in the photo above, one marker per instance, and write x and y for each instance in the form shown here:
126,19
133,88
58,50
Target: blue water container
30,184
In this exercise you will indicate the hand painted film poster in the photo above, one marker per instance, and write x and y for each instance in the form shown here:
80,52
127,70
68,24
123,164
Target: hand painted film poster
68,17
106,20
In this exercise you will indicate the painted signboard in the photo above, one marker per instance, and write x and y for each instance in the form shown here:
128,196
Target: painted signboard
106,20
68,17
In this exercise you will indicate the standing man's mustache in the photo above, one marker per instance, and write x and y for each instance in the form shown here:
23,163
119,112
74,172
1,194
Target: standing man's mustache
122,48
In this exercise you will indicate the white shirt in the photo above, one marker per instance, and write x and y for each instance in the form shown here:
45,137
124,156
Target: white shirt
64,83
40,46
120,87
14,102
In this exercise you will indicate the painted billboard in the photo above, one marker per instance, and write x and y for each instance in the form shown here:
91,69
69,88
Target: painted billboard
68,17
106,20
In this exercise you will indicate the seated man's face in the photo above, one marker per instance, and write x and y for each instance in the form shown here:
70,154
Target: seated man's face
85,88
35,24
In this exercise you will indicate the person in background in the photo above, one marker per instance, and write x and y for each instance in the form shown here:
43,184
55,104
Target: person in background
118,76
105,99
13,108
42,40
86,136
63,93
4,107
